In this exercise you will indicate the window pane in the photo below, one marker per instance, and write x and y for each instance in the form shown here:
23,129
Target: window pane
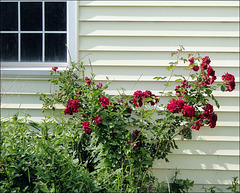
9,47
31,16
55,48
31,47
8,16
55,16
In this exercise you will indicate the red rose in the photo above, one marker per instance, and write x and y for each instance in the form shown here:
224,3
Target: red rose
208,108
85,124
138,101
175,106
213,120
87,131
147,94
185,86
99,85
195,68
188,111
88,81
210,71
104,101
72,107
138,98
229,82
191,60
98,120
138,93
197,126
205,62
54,68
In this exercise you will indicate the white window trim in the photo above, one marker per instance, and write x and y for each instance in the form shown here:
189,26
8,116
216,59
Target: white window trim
43,68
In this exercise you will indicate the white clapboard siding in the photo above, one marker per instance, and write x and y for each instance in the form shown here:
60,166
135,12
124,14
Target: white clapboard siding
130,42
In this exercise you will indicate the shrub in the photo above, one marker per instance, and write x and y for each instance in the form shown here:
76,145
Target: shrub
111,139
31,162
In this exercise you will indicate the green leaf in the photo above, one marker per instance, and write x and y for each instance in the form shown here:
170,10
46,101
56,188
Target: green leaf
143,151
158,77
170,67
223,88
168,84
147,163
178,80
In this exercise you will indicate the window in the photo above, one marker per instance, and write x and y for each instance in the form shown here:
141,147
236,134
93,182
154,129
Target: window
36,33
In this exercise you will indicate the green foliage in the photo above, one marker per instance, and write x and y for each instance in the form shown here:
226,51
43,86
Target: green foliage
175,186
31,163
180,185
212,189
235,185
102,143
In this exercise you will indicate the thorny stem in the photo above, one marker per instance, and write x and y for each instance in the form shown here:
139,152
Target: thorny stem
172,70
159,145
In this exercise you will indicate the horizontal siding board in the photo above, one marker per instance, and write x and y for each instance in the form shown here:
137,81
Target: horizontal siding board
217,134
18,85
158,3
149,59
164,29
220,148
223,34
152,44
227,14
198,176
219,163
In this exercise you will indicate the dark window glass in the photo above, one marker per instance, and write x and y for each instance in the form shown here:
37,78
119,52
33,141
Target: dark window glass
55,16
31,16
55,48
31,47
8,16
9,47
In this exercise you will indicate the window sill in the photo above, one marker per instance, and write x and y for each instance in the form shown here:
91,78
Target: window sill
30,69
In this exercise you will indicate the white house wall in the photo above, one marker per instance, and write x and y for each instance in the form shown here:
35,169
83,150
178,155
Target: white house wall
130,42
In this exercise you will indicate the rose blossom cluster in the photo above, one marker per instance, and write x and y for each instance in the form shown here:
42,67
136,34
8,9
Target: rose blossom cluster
208,115
209,77
195,67
139,96
72,107
177,106
88,81
207,73
104,101
98,120
86,128
229,82
182,89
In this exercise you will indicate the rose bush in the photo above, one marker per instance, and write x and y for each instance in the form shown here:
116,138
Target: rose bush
117,136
